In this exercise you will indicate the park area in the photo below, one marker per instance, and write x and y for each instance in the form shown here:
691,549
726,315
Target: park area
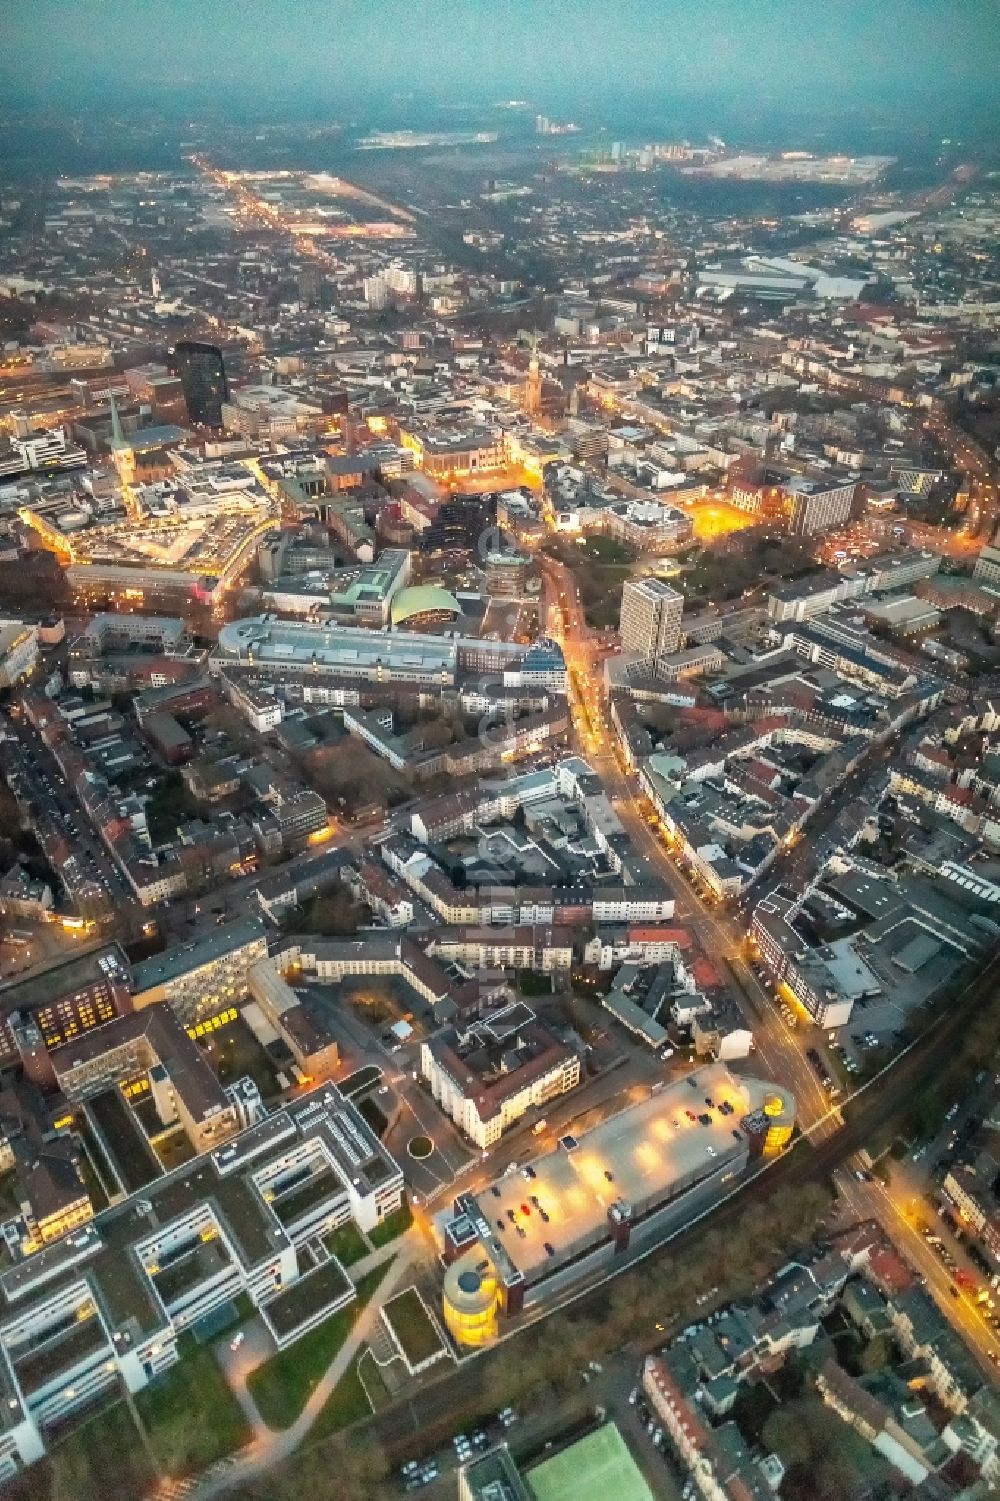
392,1226
195,1385
731,565
352,1398
282,1386
600,567
347,1244
100,1456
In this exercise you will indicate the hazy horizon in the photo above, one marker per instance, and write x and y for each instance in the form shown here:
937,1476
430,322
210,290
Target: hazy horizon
362,57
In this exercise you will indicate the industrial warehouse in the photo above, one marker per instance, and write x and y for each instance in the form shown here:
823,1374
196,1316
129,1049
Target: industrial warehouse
635,1177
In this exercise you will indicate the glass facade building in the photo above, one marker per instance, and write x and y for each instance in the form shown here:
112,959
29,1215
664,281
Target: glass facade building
202,375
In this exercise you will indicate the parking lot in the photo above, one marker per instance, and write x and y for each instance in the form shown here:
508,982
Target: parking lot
842,1051
597,1393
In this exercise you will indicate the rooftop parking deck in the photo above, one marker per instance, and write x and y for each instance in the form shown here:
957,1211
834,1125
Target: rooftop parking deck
638,1158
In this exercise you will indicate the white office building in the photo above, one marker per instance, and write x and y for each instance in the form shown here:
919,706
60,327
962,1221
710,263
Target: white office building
650,618
106,1304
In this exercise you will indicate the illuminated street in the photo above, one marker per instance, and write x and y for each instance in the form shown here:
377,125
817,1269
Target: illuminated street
874,1200
499,772
718,933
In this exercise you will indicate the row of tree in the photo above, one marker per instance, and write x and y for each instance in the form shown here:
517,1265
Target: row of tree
542,1367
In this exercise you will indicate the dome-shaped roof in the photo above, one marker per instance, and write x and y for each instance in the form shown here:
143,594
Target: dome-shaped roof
422,599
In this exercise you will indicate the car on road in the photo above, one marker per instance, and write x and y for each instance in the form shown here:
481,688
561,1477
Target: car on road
238,1339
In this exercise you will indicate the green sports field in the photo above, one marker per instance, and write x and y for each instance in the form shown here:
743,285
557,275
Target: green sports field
593,1469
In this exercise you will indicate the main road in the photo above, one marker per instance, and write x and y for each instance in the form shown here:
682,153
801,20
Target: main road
872,1199
974,462
719,933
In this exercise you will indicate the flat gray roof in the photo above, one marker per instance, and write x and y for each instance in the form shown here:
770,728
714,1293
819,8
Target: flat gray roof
642,1155
181,958
495,1477
62,979
286,643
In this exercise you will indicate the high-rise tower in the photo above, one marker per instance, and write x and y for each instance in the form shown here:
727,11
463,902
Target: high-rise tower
650,618
202,374
533,388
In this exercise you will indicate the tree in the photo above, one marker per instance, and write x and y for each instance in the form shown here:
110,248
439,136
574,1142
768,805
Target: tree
437,734
567,1349
361,1462
807,1434
351,1467
306,1474
783,1434
660,717
876,1354
752,1408
335,913
623,1315
507,1382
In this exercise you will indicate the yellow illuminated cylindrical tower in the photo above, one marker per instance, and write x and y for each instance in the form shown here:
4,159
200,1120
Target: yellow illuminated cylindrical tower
780,1114
471,1299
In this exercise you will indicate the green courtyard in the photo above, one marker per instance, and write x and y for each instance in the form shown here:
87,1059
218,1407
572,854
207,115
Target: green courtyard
190,1414
282,1386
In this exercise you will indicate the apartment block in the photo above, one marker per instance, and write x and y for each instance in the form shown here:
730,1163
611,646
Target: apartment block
650,620
487,1076
205,975
815,507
